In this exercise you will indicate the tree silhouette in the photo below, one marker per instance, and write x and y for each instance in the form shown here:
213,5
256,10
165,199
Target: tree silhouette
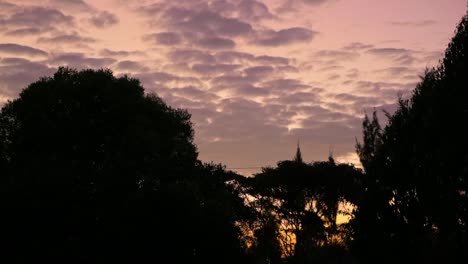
94,170
302,200
415,206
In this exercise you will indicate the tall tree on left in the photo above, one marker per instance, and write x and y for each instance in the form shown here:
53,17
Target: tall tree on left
76,151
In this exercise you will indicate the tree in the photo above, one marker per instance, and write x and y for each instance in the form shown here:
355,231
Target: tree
301,201
415,206
94,170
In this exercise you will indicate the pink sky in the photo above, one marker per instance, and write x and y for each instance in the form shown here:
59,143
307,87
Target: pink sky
256,75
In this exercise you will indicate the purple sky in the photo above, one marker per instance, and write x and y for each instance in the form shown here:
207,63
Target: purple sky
256,75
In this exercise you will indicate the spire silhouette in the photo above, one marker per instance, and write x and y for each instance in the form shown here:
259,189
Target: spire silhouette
330,154
298,157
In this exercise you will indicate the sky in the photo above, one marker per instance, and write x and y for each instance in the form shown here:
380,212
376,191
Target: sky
257,76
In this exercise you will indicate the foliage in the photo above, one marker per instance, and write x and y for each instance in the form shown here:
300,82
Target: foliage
415,206
301,201
94,170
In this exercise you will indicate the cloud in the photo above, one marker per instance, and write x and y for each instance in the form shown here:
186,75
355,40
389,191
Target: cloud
259,72
190,55
220,60
249,90
331,68
16,49
28,31
357,102
431,58
202,21
388,51
66,39
284,36
211,22
72,5
118,53
255,81
288,69
399,55
298,98
249,10
112,53
398,71
80,61
158,79
352,73
244,123
229,81
317,2
234,57
336,55
295,5
7,5
333,77
286,85
214,69
37,16
248,58
164,38
8,61
387,91
17,73
422,23
133,66
216,43
329,132
195,94
254,10
218,24
265,59
357,46
104,19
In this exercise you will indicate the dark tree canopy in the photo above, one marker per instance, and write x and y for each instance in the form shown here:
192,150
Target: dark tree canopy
92,121
416,204
94,170
297,204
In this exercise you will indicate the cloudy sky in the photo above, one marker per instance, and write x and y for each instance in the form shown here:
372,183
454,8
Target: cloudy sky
256,75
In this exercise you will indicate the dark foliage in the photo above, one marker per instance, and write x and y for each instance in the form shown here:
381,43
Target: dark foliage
94,170
301,202
415,207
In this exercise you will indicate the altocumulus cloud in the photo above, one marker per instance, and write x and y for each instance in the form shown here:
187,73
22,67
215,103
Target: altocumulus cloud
216,43
28,31
254,74
37,16
66,38
16,49
284,36
316,2
163,38
104,19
